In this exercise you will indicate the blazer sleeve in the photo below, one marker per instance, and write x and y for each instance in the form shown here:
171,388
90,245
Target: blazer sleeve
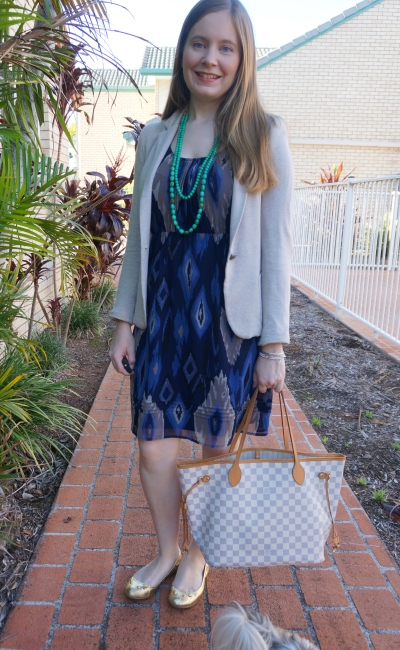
125,301
276,241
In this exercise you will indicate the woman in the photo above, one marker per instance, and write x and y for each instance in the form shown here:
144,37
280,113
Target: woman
205,278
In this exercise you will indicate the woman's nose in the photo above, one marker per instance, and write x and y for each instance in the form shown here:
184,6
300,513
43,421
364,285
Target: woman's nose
210,57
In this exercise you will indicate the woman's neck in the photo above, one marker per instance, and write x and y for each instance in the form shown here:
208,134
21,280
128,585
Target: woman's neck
201,111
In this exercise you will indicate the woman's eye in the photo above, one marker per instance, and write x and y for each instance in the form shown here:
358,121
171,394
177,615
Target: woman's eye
226,48
198,45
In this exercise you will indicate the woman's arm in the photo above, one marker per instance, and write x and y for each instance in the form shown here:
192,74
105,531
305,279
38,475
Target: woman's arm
125,301
276,243
276,250
122,344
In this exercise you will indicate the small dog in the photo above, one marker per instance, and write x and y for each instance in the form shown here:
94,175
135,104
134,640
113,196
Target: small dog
242,629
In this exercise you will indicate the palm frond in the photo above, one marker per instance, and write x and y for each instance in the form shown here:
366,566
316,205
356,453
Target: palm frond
12,300
33,217
32,59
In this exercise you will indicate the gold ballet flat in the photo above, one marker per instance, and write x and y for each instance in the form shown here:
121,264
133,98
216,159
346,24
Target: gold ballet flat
139,591
185,599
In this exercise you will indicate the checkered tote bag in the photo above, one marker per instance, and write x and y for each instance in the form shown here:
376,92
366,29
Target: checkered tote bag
261,507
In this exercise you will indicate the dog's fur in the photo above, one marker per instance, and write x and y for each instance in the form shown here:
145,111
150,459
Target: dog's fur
242,629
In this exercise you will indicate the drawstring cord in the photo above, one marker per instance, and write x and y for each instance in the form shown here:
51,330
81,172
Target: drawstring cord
202,479
336,538
185,545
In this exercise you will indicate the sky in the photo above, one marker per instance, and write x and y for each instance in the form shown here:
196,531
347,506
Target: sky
275,22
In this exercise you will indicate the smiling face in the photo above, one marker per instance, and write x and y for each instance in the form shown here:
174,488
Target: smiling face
211,57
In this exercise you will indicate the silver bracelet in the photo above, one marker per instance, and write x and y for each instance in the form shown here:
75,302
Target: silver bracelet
271,355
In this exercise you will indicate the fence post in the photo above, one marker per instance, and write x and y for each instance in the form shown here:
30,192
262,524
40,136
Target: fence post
346,244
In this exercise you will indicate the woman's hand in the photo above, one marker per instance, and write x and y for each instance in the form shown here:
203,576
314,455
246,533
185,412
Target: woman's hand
122,345
268,373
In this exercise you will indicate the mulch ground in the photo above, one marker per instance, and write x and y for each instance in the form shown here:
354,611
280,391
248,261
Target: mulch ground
29,501
354,391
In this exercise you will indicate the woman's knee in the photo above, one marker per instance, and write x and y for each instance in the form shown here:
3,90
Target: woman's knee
158,454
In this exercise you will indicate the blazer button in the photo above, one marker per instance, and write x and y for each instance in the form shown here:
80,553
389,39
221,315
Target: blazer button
232,257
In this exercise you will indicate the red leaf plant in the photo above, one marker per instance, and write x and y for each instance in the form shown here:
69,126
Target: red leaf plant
104,211
331,175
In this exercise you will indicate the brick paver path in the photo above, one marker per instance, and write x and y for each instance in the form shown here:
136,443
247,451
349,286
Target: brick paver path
100,531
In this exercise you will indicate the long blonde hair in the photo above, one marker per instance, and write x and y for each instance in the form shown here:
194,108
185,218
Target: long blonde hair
241,122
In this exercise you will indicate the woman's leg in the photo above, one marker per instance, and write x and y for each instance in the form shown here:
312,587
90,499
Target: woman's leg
161,486
190,573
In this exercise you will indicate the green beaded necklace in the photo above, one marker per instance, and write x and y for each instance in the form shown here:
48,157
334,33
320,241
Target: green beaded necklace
201,176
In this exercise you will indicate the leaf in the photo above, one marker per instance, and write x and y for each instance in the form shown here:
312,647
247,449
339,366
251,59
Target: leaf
103,178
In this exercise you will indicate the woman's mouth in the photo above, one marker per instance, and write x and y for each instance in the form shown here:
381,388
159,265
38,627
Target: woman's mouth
206,76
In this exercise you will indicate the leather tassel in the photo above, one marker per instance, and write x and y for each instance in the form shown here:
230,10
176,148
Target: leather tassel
336,539
202,479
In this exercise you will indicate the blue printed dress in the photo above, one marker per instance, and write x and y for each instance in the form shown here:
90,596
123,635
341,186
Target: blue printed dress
193,376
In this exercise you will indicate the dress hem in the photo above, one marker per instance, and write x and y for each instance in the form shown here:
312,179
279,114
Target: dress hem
197,442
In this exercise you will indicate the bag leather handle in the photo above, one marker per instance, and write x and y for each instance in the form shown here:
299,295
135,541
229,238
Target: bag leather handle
235,473
298,472
245,422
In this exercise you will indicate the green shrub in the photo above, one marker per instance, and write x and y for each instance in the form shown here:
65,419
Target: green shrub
50,352
85,318
396,446
103,295
379,495
33,413
362,481
316,421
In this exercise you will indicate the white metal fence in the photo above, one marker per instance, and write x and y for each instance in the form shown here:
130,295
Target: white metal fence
347,248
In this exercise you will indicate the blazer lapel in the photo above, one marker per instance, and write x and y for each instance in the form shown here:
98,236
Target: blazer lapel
158,150
239,196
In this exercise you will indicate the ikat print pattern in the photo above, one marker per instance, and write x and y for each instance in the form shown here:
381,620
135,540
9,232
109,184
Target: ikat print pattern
193,375
267,519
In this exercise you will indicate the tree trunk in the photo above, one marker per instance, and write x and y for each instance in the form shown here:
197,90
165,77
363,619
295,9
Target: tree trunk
104,298
60,134
35,293
67,322
44,310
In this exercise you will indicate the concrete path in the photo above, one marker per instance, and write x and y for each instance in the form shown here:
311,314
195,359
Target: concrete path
100,531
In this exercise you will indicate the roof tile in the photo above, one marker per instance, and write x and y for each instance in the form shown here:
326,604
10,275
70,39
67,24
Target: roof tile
274,54
350,12
287,47
299,40
324,26
337,19
262,51
112,78
363,4
313,32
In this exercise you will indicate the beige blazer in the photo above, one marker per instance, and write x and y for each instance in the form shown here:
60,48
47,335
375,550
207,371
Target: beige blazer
257,275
